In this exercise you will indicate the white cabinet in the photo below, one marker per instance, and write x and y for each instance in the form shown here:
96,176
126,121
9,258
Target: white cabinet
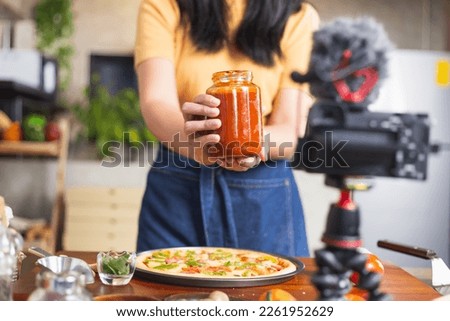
99,218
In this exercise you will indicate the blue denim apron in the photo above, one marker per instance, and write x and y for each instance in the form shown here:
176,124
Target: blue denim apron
186,204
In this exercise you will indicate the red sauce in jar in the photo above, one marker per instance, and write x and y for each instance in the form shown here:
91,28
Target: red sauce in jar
240,113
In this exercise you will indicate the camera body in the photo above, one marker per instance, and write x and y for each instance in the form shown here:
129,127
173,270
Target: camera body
345,140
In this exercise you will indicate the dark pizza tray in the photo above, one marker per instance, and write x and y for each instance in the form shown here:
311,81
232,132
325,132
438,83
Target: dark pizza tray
217,282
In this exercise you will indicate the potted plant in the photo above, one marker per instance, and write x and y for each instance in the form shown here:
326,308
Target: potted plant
54,29
112,119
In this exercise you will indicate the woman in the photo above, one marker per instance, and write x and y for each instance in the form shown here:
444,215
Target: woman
193,199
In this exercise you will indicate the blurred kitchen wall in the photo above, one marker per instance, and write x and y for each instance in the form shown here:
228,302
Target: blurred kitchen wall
108,26
411,24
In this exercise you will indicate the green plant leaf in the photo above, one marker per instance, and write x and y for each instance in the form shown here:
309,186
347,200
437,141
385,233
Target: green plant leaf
54,28
108,118
116,266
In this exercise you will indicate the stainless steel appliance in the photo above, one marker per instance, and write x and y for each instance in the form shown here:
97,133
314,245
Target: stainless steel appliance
26,75
405,211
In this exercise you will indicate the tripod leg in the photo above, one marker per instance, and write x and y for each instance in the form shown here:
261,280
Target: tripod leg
332,279
340,256
369,281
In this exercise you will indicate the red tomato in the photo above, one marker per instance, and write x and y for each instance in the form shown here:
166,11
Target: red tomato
373,264
52,132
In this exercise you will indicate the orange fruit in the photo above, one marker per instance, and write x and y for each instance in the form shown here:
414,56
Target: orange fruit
276,295
353,297
13,133
357,294
373,264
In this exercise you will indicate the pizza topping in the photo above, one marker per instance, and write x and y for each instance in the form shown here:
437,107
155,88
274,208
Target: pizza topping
163,254
267,258
216,270
166,266
220,254
191,269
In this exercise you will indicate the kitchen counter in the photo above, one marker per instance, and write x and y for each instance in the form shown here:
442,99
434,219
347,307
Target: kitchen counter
401,285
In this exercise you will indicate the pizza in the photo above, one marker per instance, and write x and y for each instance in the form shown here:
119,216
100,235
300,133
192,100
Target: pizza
213,262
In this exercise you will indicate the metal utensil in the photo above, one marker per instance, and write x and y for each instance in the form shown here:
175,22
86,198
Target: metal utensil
39,251
440,273
58,264
17,271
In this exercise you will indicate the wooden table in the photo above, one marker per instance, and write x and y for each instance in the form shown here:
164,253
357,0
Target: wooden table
401,285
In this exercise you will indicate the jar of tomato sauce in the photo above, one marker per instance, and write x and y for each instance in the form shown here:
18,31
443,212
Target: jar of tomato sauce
240,113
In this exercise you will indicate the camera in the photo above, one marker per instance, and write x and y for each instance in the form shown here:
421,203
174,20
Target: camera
345,140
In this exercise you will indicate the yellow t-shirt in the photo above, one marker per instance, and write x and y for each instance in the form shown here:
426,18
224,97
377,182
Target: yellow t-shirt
159,34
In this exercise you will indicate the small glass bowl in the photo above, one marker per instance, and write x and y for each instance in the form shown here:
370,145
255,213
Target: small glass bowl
116,268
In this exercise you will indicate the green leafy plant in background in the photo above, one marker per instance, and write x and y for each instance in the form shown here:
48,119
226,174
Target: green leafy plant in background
112,118
103,116
54,29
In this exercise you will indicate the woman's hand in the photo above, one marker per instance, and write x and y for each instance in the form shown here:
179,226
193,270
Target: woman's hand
198,127
239,164
200,121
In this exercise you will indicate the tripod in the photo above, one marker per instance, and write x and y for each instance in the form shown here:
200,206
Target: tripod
340,256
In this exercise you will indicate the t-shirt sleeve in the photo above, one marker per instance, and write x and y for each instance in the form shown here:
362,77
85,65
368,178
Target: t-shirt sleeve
155,35
297,45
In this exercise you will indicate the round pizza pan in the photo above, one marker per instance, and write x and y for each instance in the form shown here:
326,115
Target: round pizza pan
219,282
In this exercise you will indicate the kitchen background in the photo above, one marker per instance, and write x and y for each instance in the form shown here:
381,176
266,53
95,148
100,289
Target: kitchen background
104,31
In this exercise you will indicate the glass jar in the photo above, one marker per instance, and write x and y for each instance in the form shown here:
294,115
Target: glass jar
240,114
10,245
65,286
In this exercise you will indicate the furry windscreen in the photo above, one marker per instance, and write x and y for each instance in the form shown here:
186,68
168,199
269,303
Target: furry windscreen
368,43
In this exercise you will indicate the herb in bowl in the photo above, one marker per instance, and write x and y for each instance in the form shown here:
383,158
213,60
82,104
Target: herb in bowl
117,265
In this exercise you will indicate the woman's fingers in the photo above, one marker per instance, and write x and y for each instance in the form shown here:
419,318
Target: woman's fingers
203,106
249,162
201,144
208,100
240,164
207,139
195,126
190,109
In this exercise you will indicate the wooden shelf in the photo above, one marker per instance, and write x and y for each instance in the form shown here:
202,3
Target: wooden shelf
56,149
50,149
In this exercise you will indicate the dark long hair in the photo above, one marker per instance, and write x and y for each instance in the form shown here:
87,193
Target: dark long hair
258,36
